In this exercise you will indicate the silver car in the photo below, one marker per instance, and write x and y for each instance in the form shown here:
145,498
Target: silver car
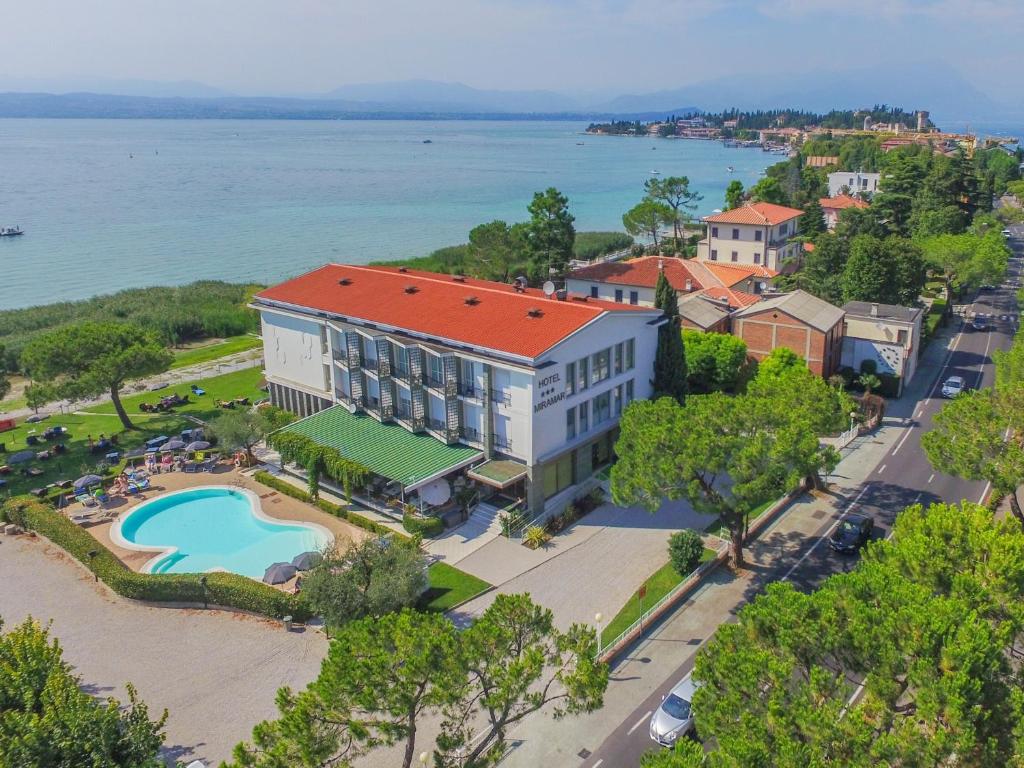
953,386
674,718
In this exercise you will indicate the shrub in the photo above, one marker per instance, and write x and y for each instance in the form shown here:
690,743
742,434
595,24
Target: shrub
337,510
685,549
535,536
869,366
590,245
225,589
427,526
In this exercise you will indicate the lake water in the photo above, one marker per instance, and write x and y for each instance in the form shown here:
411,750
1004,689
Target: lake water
110,204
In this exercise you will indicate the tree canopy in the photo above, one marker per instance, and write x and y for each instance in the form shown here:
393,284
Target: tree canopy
715,361
48,721
674,192
670,357
549,235
241,430
734,194
646,218
90,359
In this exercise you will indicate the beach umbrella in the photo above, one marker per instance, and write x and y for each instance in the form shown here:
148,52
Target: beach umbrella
198,445
174,444
21,457
307,560
279,573
86,480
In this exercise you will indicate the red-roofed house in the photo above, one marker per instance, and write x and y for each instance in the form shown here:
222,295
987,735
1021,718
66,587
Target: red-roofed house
832,206
524,389
755,234
632,281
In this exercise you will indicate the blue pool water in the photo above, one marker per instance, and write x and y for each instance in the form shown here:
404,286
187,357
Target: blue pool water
215,528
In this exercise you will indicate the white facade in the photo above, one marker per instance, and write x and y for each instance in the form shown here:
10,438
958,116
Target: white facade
516,408
750,244
853,183
637,295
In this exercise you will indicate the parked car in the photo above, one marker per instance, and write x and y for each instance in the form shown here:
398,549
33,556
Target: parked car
953,386
980,323
674,717
852,533
1007,233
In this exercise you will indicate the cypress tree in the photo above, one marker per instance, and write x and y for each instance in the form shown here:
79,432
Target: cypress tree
670,359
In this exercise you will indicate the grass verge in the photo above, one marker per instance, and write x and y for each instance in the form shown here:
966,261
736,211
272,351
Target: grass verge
719,530
214,350
448,587
658,584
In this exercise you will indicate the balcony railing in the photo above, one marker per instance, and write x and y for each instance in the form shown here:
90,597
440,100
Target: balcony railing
470,390
502,443
472,434
434,382
400,373
435,424
370,364
501,397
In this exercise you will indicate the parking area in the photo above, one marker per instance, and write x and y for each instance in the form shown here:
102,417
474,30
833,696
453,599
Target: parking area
216,672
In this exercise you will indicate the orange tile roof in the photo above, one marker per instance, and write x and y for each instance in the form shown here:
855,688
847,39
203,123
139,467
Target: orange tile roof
809,247
437,308
642,272
756,213
736,299
731,274
840,202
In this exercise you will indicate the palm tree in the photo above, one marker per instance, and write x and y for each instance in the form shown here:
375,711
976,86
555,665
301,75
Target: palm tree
869,381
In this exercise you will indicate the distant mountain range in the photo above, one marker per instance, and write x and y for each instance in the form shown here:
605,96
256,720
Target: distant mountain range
929,85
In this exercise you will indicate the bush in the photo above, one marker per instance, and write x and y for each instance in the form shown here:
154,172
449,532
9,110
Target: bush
224,589
428,526
590,245
337,510
685,549
869,366
535,537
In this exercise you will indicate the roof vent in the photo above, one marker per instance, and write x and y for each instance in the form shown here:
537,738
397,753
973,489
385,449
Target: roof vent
471,301
561,294
577,297
403,270
520,284
534,312
459,278
874,310
411,289
689,284
344,281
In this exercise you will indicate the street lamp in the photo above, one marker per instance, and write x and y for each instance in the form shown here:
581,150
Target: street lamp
597,621
92,554
853,415
202,582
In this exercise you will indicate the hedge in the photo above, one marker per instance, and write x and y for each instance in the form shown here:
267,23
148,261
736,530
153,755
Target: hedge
337,510
428,527
229,590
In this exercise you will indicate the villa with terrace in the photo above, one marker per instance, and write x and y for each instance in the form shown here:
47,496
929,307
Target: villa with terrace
429,379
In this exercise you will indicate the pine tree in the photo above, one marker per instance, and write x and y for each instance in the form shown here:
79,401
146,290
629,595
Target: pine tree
670,358
813,221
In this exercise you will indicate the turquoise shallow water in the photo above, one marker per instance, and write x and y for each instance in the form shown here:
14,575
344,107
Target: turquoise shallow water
109,204
215,528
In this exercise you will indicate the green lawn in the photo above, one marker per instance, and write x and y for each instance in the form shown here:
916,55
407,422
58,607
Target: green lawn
448,587
214,351
102,420
719,530
659,584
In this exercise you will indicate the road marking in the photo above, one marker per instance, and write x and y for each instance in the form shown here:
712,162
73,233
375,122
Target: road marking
932,477
639,722
981,363
882,468
919,412
903,440
598,763
984,493
828,533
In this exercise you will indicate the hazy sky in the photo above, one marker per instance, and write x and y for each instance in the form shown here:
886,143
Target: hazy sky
306,46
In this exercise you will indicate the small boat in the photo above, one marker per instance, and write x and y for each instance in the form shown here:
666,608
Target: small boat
655,173
11,231
729,168
653,147
579,143
427,141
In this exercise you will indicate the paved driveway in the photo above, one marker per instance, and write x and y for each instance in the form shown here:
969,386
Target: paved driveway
215,672
594,567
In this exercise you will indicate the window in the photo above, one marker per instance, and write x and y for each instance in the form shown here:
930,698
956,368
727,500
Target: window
583,374
404,407
634,297
584,417
570,424
436,371
618,358
570,378
714,255
558,476
617,400
783,229
593,291
602,408
757,257
629,392
630,350
601,366
735,256
757,235
401,362
714,231
618,295
735,234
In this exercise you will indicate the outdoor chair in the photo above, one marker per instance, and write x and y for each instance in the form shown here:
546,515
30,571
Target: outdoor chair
86,500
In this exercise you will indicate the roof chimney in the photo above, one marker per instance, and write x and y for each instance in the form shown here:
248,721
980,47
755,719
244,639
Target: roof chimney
661,265
874,310
689,284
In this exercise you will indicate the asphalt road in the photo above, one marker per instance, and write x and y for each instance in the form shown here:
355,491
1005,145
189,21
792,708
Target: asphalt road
902,477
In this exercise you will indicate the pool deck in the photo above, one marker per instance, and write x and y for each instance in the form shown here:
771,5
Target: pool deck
275,505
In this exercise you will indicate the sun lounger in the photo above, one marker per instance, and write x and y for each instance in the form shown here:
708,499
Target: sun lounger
86,499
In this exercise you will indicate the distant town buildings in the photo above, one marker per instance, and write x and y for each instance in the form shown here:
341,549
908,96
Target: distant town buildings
821,161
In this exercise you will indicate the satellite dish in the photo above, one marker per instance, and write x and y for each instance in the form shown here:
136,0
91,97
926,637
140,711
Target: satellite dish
762,285
549,288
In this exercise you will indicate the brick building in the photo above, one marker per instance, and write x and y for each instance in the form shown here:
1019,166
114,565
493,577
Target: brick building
798,321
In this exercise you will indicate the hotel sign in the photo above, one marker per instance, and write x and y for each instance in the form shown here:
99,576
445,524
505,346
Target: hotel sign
548,392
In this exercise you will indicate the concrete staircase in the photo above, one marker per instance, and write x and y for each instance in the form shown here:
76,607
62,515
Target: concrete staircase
485,517
483,526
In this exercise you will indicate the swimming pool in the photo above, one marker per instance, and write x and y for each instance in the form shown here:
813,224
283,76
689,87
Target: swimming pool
214,528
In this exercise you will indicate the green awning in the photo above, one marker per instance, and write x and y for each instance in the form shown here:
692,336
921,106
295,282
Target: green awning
388,450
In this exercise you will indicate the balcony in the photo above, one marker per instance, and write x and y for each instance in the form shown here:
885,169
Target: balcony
501,443
471,434
400,373
435,425
471,391
501,397
433,382
370,364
